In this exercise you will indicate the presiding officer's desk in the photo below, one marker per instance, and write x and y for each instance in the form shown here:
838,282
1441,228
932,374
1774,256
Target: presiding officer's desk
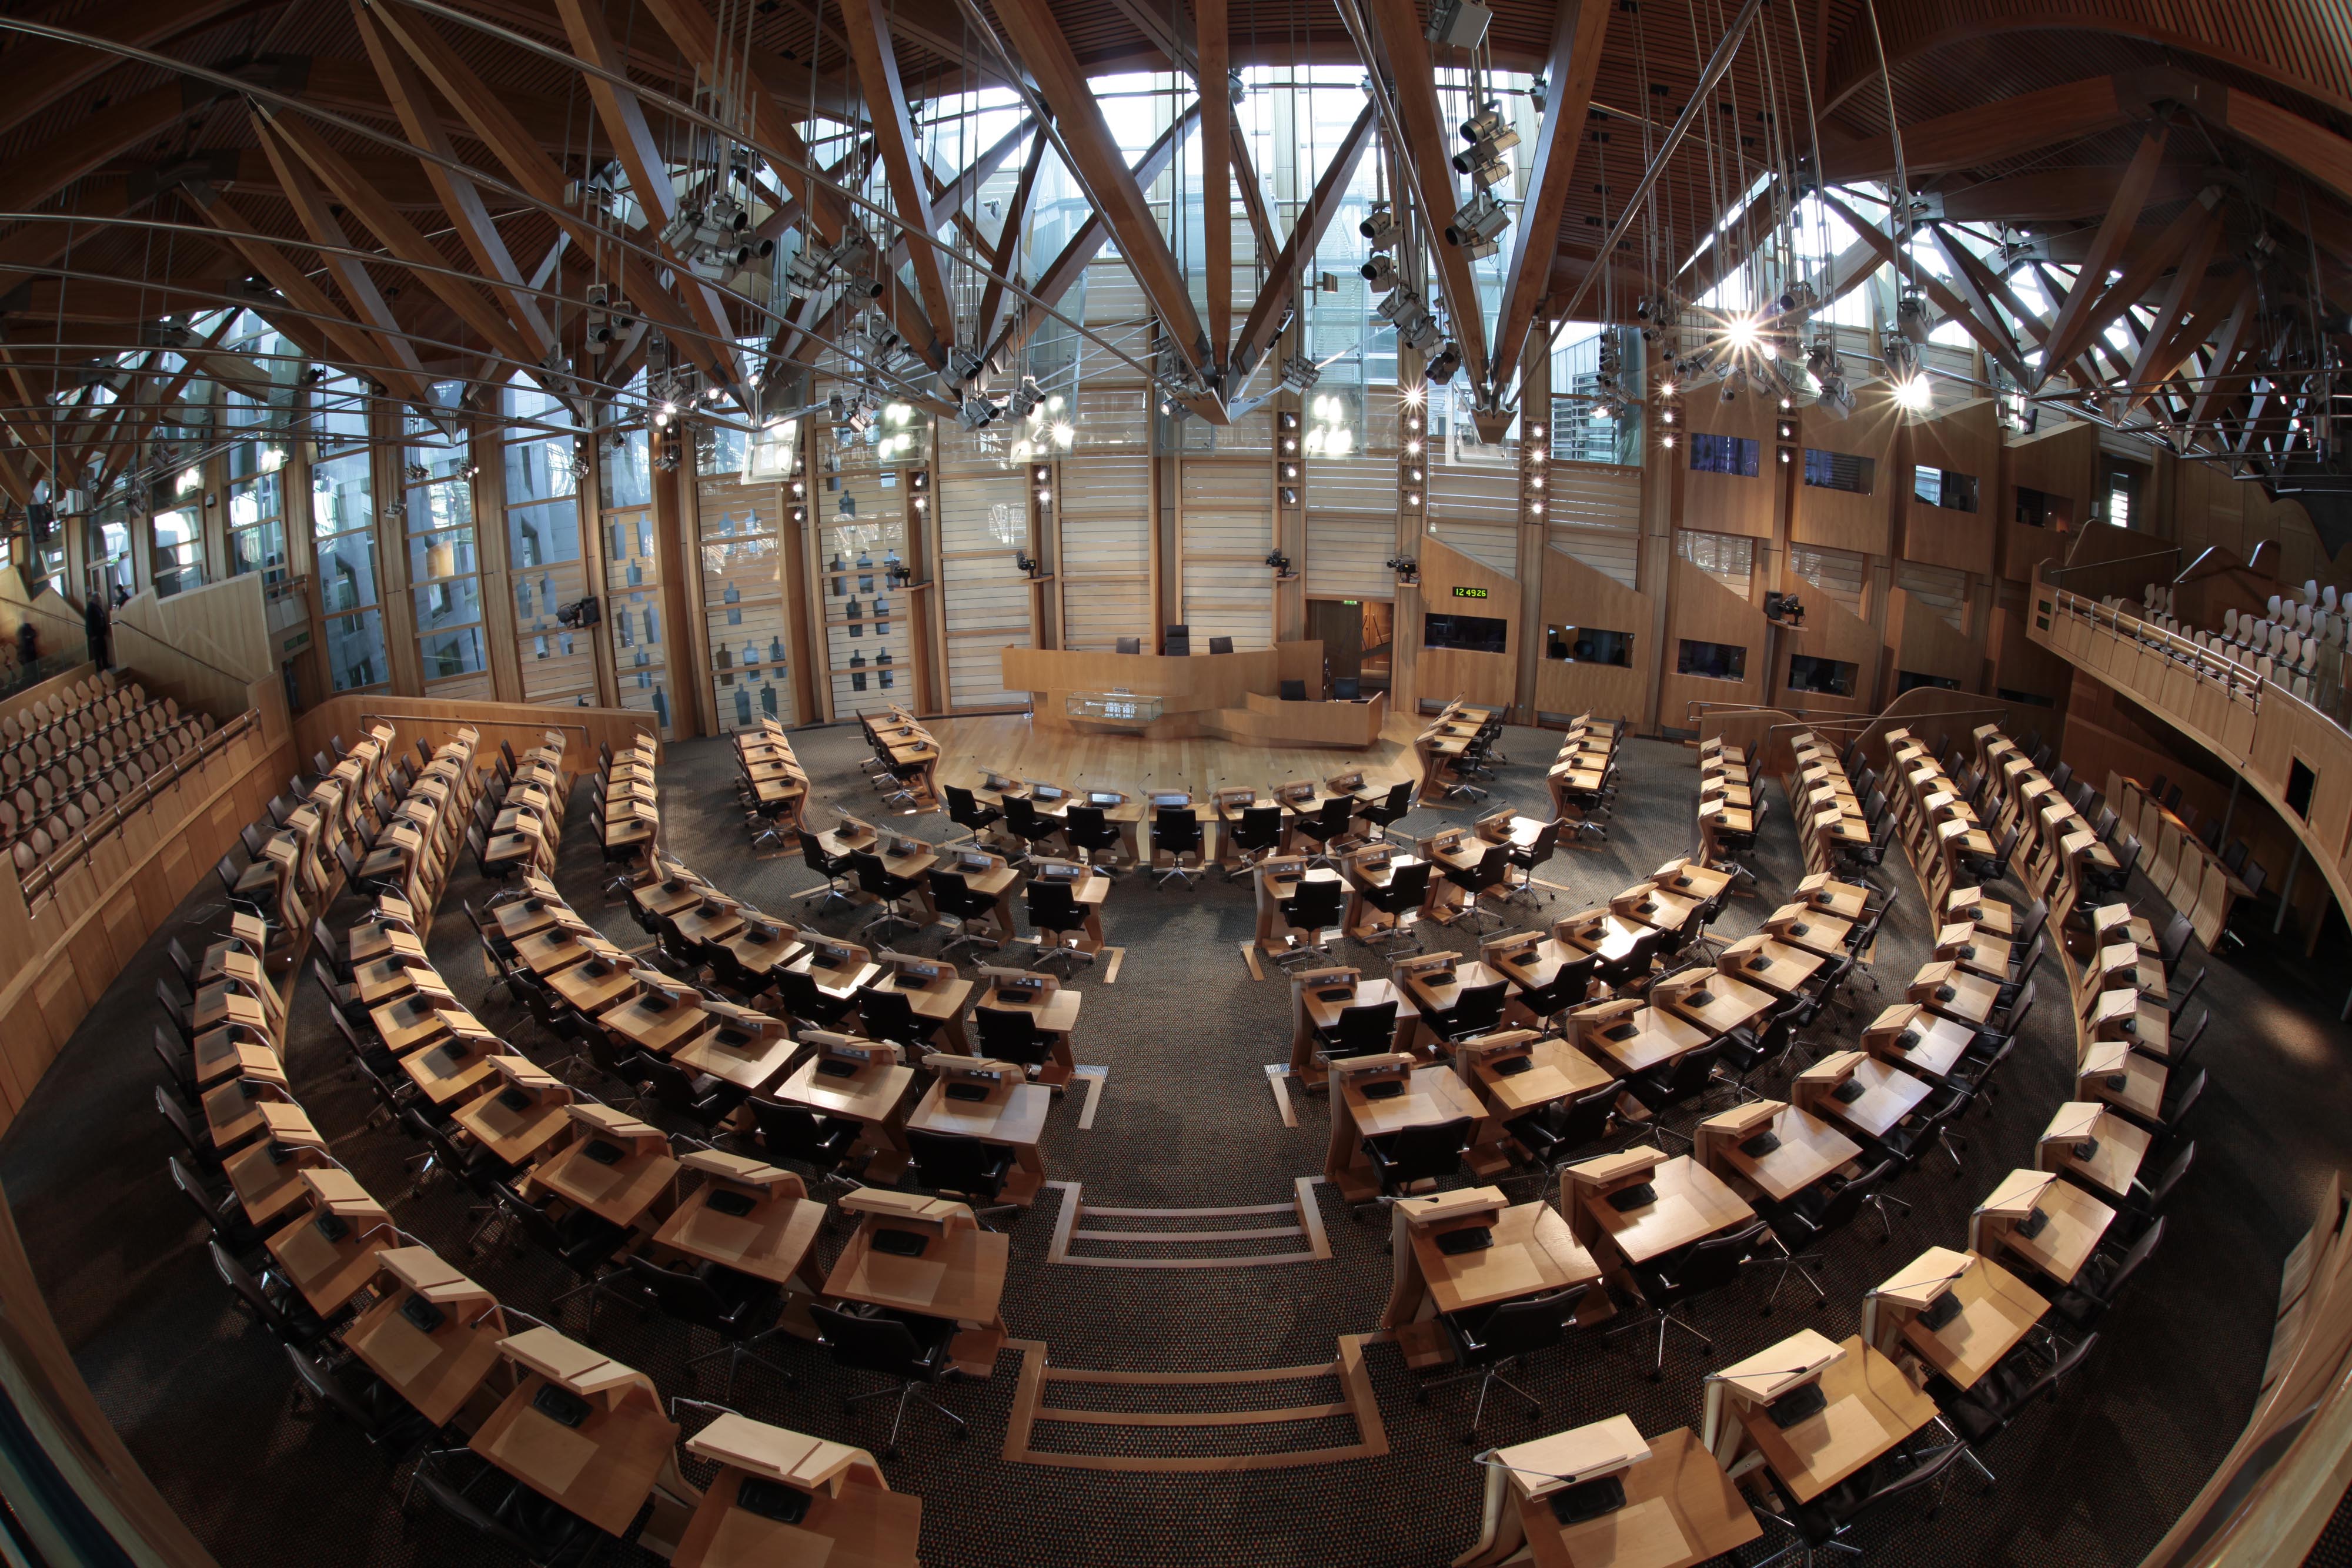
1231,696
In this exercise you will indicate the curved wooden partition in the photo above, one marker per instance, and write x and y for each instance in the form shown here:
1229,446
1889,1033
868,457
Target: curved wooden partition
2283,747
2274,1491
520,725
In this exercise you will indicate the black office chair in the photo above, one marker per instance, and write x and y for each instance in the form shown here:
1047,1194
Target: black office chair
1476,1010
1346,688
1313,908
1027,823
1686,1077
1554,1133
282,1311
1525,858
698,1098
796,1133
2181,994
1680,1278
2101,1280
1129,646
891,1016
906,1347
1255,833
1011,1034
223,1213
1400,900
580,1241
1823,1209
1631,969
1985,1408
349,1390
1053,912
1382,814
886,886
1567,988
1818,1525
740,1310
1221,645
1365,1029
1488,1339
1476,881
835,869
1089,833
1402,1160
1329,822
808,1003
974,913
1291,690
970,1169
1177,642
2174,942
965,812
1176,832
1987,870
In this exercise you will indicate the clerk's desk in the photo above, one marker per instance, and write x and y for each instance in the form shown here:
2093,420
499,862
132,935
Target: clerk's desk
1231,696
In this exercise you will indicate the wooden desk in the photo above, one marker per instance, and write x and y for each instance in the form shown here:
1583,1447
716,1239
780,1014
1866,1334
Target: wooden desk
656,1029
1436,994
1936,1043
960,1276
1830,896
1813,930
622,1193
1889,1095
1643,1038
2140,1090
758,1060
1532,1254
1692,1203
1680,1510
776,1241
1997,1311
1810,1151
515,1137
714,923
764,956
437,1373
451,1070
602,1469
1013,1115
1597,931
1312,1011
942,1001
1431,1095
545,952
1871,1407
1720,1003
1776,965
1972,999
2111,1169
591,992
857,1526
329,1273
874,1094
2067,1238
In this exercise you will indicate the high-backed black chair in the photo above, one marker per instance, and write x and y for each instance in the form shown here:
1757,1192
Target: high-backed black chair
1476,881
1176,832
809,1003
1488,1339
1560,1130
1176,641
1131,646
891,1016
973,913
1032,826
909,1349
1565,989
1255,834
1818,1525
1329,822
1365,1029
1346,688
1384,813
580,1241
1089,832
1821,1209
967,1168
1221,645
1053,912
2103,1276
1404,1159
885,885
740,1310
835,869
1312,908
1986,1408
787,1132
1476,1010
1291,690
1400,900
966,811
1679,1277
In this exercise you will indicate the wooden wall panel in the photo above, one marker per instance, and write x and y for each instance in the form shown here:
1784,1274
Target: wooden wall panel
2060,462
1831,632
1921,640
1720,503
2211,508
1701,610
1966,441
1486,679
1575,594
519,724
1843,519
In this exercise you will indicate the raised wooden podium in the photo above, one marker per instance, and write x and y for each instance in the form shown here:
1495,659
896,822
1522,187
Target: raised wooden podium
1230,697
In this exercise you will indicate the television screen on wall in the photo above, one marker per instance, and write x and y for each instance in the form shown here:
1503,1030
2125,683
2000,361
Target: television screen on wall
1469,633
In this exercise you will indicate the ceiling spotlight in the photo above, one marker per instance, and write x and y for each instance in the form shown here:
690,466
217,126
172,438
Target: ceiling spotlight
1379,227
1380,274
1447,365
1025,397
1740,334
1480,222
975,413
1913,391
1300,373
1911,318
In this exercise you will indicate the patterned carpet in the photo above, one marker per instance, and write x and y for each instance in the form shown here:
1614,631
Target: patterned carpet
1186,1120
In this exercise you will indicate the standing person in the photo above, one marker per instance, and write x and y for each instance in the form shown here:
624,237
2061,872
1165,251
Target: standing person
28,645
94,623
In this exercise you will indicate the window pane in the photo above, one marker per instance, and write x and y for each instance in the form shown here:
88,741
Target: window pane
626,472
538,470
346,572
259,549
355,650
452,653
544,534
444,506
434,556
342,495
457,602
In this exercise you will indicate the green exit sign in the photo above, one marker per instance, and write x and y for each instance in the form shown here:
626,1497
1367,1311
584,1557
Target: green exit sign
1469,594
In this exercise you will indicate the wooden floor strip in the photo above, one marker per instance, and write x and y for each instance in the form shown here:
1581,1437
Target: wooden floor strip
1195,1379
1195,1418
1098,1209
1277,1077
1174,1238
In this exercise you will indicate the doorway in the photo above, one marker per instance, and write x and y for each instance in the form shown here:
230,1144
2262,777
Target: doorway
1354,634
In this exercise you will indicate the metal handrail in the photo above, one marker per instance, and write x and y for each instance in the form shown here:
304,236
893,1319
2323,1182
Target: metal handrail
2053,573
